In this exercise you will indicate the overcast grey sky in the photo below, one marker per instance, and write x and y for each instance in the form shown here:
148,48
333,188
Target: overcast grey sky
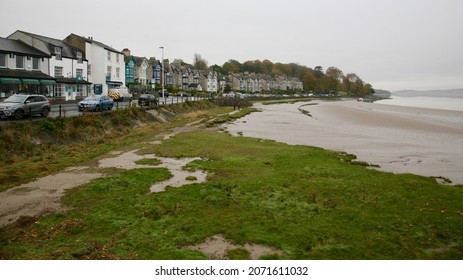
393,44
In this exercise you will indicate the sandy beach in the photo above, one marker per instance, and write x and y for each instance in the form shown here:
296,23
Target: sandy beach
399,139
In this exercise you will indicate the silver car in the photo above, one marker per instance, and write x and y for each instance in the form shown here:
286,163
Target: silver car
19,105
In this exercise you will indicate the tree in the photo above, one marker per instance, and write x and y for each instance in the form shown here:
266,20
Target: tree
332,79
199,63
349,81
179,62
216,68
232,66
318,72
267,66
309,81
227,88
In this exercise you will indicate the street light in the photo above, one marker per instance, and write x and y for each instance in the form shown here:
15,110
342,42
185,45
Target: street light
162,75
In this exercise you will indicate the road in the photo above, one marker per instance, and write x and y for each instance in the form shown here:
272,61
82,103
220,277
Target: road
70,110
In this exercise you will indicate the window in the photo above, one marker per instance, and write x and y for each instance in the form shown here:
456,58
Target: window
2,60
30,99
35,63
109,56
79,57
58,53
79,90
89,69
79,72
59,90
117,58
58,71
118,72
108,73
20,62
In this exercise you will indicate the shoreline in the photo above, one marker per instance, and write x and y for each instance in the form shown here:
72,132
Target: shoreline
400,139
428,102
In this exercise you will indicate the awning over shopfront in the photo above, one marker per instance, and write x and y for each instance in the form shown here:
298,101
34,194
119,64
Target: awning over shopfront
73,81
30,82
14,81
24,77
47,82
114,83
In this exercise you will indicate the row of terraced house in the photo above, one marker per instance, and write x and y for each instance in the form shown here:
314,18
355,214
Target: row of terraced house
79,66
144,71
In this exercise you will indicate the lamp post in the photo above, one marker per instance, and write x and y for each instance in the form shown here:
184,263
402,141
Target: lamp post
162,75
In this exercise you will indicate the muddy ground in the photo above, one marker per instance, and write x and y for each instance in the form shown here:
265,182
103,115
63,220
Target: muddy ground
43,195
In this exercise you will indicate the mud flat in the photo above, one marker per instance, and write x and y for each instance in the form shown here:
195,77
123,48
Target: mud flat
399,139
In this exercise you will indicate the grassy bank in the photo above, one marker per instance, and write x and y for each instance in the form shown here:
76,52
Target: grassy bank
34,149
307,202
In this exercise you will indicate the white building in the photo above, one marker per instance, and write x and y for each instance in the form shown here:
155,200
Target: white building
212,83
141,70
67,64
106,66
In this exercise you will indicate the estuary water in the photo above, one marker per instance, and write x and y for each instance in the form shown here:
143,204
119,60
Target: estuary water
431,102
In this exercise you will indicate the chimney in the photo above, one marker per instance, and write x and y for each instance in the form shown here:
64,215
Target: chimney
126,52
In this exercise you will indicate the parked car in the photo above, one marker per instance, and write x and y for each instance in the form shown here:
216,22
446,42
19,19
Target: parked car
147,100
19,105
96,103
166,93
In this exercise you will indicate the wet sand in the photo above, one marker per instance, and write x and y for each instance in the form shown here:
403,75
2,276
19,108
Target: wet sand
400,139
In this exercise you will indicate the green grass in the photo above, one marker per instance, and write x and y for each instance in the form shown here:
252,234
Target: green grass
238,254
308,202
231,117
50,145
149,161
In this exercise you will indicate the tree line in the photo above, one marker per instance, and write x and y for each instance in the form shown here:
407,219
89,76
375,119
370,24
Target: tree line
317,80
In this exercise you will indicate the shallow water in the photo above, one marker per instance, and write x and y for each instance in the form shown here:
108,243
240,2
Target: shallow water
444,103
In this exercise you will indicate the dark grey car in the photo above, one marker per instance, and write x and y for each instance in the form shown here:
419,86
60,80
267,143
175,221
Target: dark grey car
19,105
147,100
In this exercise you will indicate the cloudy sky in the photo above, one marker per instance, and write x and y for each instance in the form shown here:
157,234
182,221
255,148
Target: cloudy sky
393,44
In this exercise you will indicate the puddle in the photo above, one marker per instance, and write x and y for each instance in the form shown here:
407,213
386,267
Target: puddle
216,247
43,195
175,166
180,176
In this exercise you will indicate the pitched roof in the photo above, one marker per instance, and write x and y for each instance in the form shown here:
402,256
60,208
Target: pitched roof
139,60
50,43
91,41
16,46
18,73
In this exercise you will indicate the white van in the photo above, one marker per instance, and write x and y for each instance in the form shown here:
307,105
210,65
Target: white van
122,92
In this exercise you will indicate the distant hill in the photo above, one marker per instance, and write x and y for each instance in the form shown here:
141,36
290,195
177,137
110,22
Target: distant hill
430,93
382,93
